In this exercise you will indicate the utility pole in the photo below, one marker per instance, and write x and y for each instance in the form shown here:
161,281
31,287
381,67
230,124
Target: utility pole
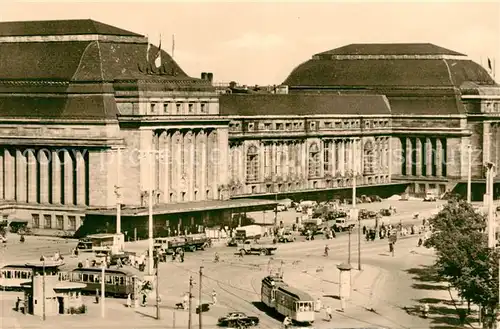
349,249
43,288
469,174
150,213
103,294
117,191
199,298
158,300
190,298
355,213
490,167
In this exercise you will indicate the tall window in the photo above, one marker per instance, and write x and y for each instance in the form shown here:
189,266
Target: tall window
252,164
72,223
368,158
36,220
314,161
326,161
60,222
47,221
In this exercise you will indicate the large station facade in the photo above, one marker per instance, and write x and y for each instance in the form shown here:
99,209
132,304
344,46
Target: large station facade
93,116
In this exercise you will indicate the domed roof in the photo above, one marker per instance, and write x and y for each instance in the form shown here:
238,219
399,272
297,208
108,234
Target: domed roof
388,65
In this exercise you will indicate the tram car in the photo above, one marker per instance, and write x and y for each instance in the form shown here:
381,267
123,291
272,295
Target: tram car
118,282
287,300
11,277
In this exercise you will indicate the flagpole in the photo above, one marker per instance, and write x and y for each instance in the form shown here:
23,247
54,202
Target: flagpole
173,45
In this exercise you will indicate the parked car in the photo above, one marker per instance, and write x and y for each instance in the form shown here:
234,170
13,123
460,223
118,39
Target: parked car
385,212
375,198
281,207
286,237
237,319
366,199
341,225
430,197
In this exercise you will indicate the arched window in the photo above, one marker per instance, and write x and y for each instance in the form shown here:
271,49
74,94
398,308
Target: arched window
368,158
252,164
314,161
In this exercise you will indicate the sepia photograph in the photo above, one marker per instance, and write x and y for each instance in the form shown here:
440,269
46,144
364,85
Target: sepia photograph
249,165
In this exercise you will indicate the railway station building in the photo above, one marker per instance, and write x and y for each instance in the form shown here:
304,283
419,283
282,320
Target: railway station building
93,116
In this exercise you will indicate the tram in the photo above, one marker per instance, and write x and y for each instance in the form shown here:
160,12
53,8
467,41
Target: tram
118,282
287,300
11,277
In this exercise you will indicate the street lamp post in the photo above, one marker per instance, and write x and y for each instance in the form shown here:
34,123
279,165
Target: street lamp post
43,287
117,192
469,174
150,214
490,167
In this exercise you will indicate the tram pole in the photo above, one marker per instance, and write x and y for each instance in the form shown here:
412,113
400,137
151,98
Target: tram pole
199,298
158,300
189,304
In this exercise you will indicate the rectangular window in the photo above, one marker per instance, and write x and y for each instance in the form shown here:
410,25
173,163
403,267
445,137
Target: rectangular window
47,221
178,107
36,220
191,108
153,108
328,124
203,107
60,222
288,126
72,223
165,108
279,126
267,126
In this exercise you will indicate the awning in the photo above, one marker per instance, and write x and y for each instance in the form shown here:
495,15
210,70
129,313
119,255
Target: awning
199,206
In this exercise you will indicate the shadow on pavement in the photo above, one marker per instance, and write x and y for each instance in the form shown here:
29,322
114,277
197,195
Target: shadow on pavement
270,312
443,312
424,286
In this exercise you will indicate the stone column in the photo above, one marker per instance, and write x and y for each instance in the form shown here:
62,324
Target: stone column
439,158
342,157
56,178
43,159
203,164
389,157
163,165
214,160
32,178
145,169
486,141
10,178
21,176
80,179
223,146
242,161
305,160
333,157
321,147
68,179
274,160
286,162
428,156
419,157
408,159
191,167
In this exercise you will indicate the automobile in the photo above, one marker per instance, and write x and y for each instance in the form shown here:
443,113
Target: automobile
281,207
385,212
205,307
286,237
430,197
236,319
366,199
375,198
341,225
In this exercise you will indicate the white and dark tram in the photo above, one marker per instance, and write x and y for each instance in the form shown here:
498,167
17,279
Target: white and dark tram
286,300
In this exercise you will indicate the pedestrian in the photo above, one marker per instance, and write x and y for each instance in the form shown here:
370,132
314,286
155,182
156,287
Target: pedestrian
391,248
18,302
87,263
286,322
97,296
185,302
420,241
317,306
242,252
214,297
129,301
329,313
326,250
182,257
144,300
364,230
216,257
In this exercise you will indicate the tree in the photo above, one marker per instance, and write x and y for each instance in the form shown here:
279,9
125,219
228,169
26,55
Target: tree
463,257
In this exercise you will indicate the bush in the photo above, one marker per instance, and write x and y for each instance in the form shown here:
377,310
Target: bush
78,310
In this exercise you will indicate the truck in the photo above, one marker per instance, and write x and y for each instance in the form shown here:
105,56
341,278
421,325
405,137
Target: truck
249,232
254,248
431,196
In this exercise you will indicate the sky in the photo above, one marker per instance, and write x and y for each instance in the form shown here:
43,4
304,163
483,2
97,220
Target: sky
262,42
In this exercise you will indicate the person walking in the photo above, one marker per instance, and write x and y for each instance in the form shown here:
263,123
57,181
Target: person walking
326,250
129,301
329,313
317,306
214,297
